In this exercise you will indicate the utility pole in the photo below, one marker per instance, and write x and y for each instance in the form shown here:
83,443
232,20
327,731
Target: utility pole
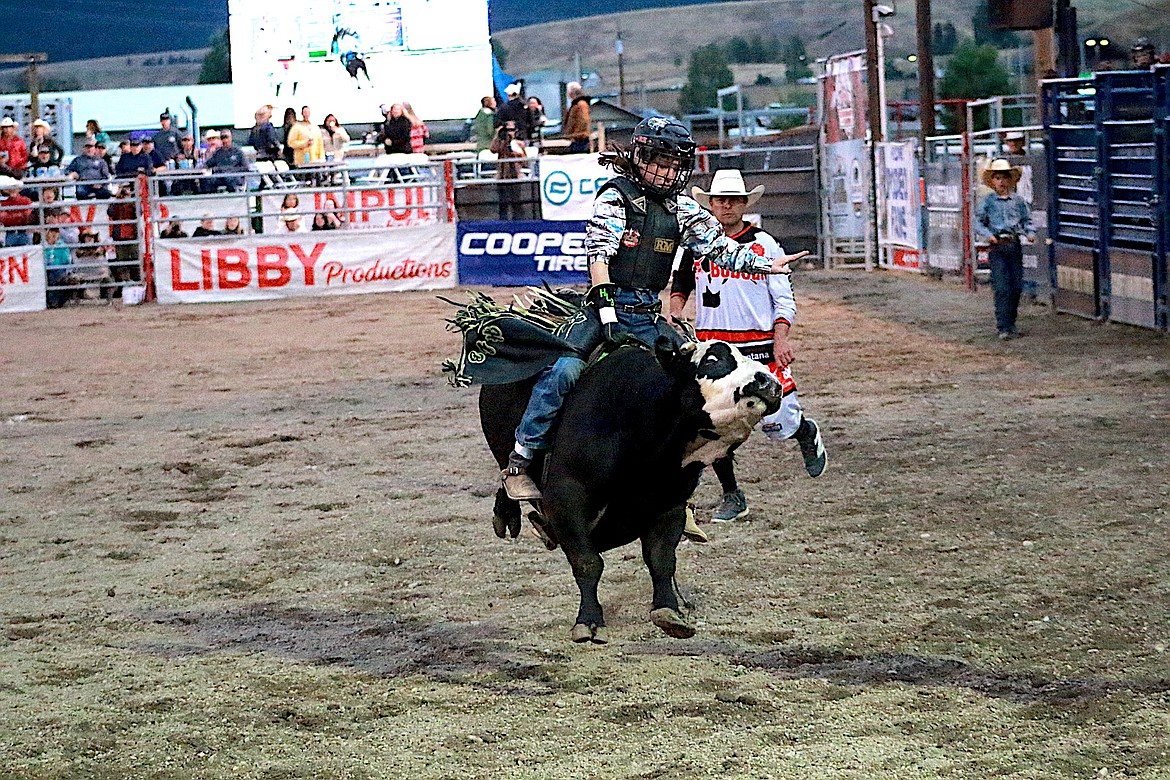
873,75
617,45
33,78
925,70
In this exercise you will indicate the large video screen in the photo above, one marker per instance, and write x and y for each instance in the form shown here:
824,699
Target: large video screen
348,57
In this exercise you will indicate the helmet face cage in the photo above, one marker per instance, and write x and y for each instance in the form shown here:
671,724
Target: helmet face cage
670,150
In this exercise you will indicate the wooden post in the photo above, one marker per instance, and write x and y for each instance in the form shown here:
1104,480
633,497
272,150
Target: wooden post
1045,52
925,70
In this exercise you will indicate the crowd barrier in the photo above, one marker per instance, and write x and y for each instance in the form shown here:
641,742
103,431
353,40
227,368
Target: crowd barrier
395,222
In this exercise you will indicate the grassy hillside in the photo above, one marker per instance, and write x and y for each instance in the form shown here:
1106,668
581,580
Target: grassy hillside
658,42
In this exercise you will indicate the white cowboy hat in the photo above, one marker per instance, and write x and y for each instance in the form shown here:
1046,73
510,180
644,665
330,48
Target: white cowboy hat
728,182
7,122
1014,135
9,183
1000,165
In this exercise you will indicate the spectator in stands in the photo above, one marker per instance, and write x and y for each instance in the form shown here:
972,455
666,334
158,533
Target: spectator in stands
166,140
91,166
123,148
42,164
156,158
186,159
57,262
45,199
123,214
483,124
418,130
536,118
208,148
228,158
13,150
395,134
290,119
290,203
15,213
134,162
292,223
263,136
514,110
173,230
327,220
577,121
206,227
42,137
1143,55
306,141
231,227
334,138
510,149
56,215
94,132
90,264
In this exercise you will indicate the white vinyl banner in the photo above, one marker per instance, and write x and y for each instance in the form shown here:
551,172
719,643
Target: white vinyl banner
900,195
189,210
568,184
372,206
22,279
335,262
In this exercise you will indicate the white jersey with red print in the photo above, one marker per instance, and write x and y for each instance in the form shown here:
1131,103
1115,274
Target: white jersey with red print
743,309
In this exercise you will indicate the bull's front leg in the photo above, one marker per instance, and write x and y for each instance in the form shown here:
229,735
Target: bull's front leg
658,551
505,516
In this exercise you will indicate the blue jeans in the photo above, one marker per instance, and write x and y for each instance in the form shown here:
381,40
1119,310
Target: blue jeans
17,238
1007,280
584,332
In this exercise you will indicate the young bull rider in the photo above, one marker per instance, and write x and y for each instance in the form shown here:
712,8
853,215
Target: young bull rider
754,312
639,218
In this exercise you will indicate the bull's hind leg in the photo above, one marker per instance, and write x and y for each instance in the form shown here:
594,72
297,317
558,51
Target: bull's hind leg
572,526
658,551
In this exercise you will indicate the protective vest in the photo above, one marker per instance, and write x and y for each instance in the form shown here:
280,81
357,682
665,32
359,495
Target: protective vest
646,248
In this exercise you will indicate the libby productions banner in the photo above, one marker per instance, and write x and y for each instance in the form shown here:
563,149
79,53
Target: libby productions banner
843,98
335,262
22,279
568,184
522,253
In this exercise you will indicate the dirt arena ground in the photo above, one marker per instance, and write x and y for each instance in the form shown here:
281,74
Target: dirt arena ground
254,541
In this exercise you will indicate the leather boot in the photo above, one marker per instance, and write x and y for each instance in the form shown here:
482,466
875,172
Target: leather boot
517,484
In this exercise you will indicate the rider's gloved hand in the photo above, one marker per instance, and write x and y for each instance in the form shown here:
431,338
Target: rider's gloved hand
603,298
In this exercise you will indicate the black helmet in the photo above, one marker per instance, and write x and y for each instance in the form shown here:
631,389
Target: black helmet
668,144
1143,44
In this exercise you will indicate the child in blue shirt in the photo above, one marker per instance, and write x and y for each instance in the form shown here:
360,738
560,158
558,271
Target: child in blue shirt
1002,221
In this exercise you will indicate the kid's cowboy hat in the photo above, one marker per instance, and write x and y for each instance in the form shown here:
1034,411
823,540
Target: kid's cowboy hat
727,182
1001,165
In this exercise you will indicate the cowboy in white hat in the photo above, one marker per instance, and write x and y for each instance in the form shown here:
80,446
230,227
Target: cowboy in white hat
1014,142
755,313
1003,219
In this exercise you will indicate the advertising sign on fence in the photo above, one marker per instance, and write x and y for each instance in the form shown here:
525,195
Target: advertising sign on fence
22,279
568,184
899,193
848,186
522,253
337,262
843,98
368,207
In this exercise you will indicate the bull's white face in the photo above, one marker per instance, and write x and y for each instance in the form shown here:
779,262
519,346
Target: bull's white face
737,394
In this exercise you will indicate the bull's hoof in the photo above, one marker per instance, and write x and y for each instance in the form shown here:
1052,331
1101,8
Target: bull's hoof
506,528
672,623
596,634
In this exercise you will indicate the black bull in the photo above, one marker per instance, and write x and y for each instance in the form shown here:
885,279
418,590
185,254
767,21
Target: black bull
633,438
